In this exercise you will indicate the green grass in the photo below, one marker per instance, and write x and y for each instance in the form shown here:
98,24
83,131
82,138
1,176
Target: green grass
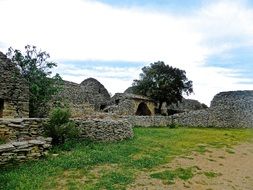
170,175
87,165
212,174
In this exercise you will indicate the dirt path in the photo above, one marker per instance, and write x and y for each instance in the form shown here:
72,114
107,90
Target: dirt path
216,169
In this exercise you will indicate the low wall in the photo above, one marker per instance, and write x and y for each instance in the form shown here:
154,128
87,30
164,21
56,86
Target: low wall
20,151
14,129
105,129
24,141
92,129
211,117
148,121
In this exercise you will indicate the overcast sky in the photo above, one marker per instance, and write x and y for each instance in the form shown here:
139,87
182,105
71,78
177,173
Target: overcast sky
111,40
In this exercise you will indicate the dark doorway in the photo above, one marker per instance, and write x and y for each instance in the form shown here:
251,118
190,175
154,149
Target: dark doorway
1,107
143,109
102,106
117,102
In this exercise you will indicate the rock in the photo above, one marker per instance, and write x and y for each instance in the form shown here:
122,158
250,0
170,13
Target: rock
6,147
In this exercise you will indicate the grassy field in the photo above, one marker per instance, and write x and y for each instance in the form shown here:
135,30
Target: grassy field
86,165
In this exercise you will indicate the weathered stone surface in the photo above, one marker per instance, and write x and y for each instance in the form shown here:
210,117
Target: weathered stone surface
84,98
105,130
20,151
185,105
232,109
6,147
14,91
130,104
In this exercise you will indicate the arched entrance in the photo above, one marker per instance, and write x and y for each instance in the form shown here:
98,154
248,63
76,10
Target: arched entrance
143,109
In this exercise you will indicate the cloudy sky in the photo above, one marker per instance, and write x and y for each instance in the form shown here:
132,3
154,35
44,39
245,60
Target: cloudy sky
111,40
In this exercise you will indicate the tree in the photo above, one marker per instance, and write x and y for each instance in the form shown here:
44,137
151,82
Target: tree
162,83
35,68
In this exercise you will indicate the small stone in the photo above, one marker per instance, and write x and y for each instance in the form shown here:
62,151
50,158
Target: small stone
6,147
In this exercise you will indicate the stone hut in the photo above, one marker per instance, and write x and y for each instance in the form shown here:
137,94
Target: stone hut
14,91
84,98
232,109
130,104
185,105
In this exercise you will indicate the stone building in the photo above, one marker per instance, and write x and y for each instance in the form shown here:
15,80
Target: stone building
232,109
14,91
130,104
185,105
84,98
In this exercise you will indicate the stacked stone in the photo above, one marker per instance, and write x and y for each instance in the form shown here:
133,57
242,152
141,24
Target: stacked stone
14,90
105,130
149,121
232,109
14,129
20,151
84,98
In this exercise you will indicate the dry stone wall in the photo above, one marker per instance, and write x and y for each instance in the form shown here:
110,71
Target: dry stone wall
25,142
20,151
14,129
233,109
14,91
105,129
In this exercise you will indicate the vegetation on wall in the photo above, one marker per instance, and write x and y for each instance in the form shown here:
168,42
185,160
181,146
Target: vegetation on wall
162,83
34,66
59,127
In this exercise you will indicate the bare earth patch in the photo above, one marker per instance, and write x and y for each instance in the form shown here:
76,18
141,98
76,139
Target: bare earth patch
215,169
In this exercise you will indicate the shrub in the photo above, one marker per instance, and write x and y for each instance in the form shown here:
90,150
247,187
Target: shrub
59,127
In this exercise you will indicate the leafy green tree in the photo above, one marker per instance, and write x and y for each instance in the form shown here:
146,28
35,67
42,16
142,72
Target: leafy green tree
162,83
36,69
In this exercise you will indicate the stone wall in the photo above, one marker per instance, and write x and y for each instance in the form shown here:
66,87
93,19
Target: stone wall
232,109
14,91
149,121
15,129
20,151
92,129
105,129
24,139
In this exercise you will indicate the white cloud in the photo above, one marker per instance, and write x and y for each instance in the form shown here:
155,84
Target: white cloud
88,30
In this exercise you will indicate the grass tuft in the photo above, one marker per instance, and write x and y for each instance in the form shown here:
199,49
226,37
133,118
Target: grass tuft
170,175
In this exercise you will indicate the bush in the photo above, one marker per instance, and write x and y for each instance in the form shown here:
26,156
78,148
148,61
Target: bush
59,127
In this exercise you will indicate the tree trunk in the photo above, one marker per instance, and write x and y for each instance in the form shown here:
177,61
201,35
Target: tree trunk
160,107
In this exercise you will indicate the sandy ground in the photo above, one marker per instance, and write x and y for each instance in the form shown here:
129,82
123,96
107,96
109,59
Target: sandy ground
233,166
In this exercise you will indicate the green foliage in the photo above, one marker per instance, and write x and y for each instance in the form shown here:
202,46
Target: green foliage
170,175
212,174
59,127
162,83
35,68
2,141
121,162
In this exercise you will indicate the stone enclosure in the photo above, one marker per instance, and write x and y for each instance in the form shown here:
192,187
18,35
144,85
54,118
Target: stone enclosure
25,139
